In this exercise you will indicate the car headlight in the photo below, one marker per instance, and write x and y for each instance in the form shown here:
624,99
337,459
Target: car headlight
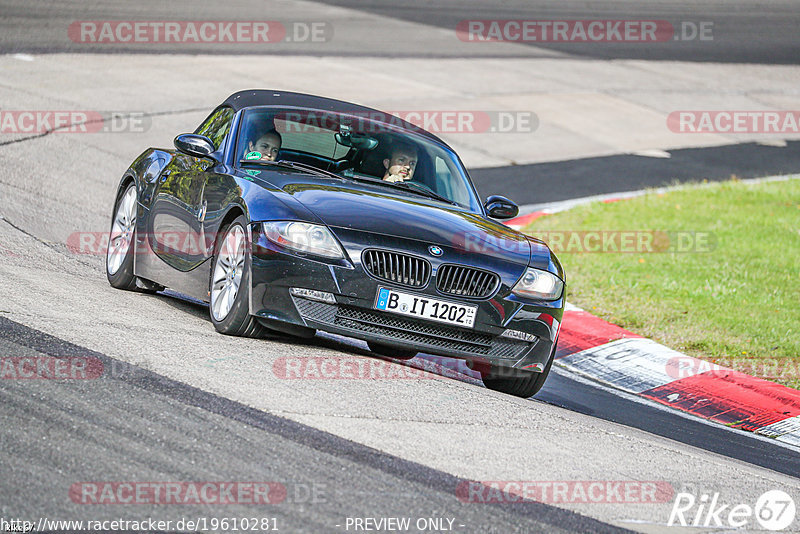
303,237
538,285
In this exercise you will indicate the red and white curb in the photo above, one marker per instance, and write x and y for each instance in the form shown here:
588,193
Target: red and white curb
518,223
606,353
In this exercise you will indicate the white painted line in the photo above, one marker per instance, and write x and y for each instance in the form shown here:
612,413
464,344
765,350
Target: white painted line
791,439
23,57
780,143
787,430
555,207
590,381
652,153
633,364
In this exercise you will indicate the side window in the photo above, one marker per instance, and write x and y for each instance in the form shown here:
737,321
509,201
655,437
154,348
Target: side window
217,126
448,184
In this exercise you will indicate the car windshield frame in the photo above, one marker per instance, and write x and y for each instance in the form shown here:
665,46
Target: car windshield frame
455,167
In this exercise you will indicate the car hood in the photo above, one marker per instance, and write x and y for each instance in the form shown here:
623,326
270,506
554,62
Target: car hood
377,210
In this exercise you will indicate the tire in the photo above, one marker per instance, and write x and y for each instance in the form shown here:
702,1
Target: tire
119,255
391,352
229,283
523,384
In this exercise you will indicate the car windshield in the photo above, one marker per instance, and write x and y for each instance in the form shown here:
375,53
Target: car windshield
356,147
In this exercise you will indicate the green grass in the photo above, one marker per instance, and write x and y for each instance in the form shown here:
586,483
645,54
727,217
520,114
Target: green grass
737,304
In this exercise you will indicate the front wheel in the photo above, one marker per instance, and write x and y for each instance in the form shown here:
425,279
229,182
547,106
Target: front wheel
230,283
523,384
119,256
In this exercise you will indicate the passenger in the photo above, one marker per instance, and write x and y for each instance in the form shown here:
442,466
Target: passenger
400,166
268,145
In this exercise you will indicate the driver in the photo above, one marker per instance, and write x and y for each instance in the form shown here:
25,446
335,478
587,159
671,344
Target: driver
402,163
268,145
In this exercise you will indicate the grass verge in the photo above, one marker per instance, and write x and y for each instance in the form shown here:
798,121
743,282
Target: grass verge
712,270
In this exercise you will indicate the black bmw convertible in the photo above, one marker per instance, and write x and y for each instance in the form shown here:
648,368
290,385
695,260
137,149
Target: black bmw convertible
294,213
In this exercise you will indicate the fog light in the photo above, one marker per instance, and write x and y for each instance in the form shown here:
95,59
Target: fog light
537,367
521,336
313,294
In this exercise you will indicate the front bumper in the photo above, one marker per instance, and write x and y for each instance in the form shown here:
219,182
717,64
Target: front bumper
274,271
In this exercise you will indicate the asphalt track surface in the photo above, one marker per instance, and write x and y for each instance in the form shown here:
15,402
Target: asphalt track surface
543,182
159,428
142,423
743,32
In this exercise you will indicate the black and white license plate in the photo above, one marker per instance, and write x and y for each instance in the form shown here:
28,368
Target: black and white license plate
425,308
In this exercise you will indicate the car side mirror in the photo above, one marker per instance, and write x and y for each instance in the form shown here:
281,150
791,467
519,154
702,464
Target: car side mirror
195,145
498,207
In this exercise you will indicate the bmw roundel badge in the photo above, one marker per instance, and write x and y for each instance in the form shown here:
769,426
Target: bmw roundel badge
434,250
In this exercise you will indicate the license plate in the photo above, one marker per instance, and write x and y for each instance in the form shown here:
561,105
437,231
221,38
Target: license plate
425,308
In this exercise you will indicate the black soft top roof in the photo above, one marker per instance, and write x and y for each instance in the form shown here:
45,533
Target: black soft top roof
268,97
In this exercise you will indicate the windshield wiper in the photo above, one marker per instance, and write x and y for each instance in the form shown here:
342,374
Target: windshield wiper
421,190
411,187
293,165
310,168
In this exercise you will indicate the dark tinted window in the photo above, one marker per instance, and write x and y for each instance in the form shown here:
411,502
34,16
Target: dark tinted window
217,126
355,146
